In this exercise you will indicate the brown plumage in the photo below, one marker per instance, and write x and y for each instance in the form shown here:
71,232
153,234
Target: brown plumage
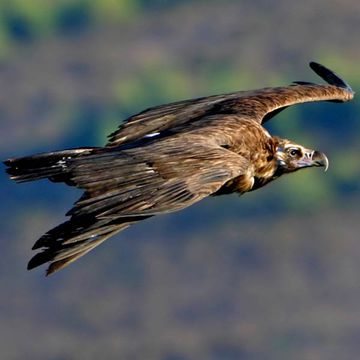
169,157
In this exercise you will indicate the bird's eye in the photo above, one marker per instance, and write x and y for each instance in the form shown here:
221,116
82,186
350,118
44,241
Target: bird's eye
294,152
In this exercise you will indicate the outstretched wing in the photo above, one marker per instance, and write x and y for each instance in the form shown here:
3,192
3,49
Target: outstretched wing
260,105
271,101
123,187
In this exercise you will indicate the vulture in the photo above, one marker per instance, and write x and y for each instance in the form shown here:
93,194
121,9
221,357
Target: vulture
169,157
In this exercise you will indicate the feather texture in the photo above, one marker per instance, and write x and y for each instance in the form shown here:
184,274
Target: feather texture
257,104
169,157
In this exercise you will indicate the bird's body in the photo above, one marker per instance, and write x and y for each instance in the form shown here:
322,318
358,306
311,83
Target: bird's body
169,157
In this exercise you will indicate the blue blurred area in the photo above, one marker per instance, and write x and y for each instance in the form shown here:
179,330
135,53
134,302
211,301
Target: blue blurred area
270,275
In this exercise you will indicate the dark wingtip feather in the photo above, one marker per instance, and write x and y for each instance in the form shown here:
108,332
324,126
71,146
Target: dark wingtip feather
40,259
38,244
37,260
7,162
43,240
50,270
329,76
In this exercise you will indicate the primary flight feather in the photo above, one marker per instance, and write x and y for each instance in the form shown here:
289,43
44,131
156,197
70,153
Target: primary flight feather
169,157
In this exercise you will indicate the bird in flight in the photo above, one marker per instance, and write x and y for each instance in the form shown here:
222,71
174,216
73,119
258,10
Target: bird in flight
168,157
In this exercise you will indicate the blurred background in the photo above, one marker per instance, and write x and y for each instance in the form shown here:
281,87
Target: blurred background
272,275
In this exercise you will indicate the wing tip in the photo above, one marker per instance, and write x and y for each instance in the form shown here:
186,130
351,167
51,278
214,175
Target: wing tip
42,258
37,260
330,76
50,270
7,162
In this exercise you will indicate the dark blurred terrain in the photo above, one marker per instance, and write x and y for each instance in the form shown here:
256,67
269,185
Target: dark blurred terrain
272,275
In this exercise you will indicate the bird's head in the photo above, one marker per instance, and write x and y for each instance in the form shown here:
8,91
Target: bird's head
292,157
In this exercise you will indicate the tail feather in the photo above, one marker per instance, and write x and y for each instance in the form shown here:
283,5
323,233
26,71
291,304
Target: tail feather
52,165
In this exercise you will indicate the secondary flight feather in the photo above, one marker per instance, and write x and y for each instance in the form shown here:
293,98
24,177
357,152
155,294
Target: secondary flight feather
169,157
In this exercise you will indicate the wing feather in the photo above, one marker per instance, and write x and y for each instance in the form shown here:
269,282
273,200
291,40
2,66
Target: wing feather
134,178
260,105
123,187
147,182
161,118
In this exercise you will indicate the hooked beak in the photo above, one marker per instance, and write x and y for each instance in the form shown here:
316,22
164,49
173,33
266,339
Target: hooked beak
317,158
